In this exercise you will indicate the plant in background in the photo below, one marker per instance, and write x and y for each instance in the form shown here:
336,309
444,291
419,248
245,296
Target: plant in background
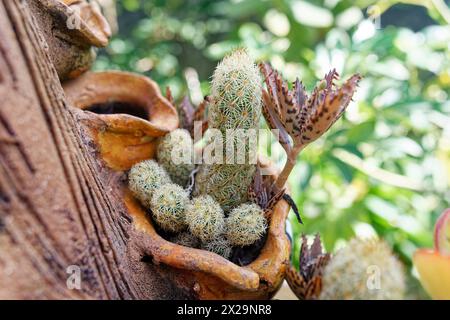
306,283
186,239
205,218
245,225
236,104
175,155
144,178
364,270
168,206
220,246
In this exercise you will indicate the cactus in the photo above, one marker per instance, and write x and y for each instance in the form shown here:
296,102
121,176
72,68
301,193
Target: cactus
168,206
366,270
186,239
144,178
236,93
245,225
174,154
205,218
220,246
236,104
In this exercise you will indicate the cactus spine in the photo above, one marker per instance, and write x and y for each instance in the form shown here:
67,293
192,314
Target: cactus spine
220,246
168,206
175,151
245,225
186,239
349,274
144,178
236,104
205,218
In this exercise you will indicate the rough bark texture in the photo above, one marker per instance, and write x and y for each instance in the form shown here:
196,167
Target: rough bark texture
58,204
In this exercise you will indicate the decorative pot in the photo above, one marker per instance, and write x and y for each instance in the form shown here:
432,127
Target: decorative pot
127,114
124,139
71,28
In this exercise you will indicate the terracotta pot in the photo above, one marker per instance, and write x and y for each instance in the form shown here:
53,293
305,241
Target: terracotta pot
210,276
207,275
123,140
127,114
71,28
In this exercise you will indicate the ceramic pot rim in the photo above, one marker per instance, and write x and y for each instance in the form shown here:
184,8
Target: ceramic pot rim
92,37
94,88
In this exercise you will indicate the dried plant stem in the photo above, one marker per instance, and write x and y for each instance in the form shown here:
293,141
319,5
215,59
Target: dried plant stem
289,165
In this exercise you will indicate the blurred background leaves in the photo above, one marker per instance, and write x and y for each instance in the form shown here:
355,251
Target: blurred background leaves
385,168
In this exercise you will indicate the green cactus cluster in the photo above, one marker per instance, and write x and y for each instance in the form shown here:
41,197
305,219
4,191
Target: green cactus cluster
168,206
226,183
363,270
175,155
245,225
144,178
186,239
236,93
205,218
220,188
236,105
220,246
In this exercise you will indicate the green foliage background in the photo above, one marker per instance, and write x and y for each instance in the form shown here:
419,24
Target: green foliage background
385,168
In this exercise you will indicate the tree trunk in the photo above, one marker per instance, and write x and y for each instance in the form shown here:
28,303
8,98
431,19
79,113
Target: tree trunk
59,207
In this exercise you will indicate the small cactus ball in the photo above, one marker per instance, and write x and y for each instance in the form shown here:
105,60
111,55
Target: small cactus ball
220,246
168,206
363,270
175,155
245,225
186,239
144,178
205,218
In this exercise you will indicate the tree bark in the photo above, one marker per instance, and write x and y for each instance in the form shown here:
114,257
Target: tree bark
59,206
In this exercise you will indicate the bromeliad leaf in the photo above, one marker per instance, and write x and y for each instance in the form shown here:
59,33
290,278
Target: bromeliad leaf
262,192
306,282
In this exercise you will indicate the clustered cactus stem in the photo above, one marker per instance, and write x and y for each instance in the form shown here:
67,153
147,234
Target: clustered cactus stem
144,178
301,119
220,246
205,218
245,225
168,206
235,105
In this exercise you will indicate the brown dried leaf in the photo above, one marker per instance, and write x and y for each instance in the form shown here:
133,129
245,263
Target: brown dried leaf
298,117
262,192
306,283
293,113
186,112
200,114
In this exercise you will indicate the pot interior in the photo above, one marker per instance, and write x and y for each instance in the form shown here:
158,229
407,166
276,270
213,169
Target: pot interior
117,107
